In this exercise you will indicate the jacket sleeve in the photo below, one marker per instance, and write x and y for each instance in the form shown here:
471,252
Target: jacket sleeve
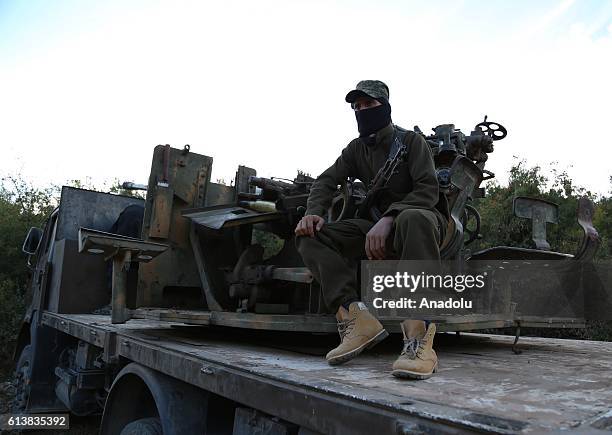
322,190
424,194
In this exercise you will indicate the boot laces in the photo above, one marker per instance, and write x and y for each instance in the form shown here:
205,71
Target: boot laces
412,347
345,327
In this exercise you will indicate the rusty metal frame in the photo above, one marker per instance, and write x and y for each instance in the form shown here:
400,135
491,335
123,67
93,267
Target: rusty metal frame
179,179
318,323
211,301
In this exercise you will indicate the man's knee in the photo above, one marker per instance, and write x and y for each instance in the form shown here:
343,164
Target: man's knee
329,234
310,247
417,235
343,237
416,220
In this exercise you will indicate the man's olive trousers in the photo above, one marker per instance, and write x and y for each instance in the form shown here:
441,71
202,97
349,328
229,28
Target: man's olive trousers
416,236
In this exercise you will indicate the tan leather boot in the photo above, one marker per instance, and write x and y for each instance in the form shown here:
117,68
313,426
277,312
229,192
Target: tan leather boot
358,331
418,360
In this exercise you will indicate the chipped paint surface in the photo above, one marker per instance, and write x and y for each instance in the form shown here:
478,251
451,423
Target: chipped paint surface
553,384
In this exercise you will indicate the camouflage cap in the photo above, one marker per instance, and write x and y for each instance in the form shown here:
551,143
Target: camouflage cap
368,88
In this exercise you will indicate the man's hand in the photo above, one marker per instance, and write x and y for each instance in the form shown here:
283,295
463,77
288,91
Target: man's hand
376,239
308,224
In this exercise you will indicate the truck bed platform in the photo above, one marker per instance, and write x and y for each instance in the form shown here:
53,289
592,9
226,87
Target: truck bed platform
553,385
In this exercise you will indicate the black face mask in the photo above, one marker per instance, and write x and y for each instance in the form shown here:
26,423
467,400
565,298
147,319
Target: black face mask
371,120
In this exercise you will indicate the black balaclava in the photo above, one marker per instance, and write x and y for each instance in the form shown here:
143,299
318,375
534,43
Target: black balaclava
371,120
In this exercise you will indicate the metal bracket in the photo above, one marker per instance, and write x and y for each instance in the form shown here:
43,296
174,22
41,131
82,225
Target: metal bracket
590,239
465,177
517,335
122,250
540,212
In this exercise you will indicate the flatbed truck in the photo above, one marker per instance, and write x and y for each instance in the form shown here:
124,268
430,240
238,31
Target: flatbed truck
207,379
210,337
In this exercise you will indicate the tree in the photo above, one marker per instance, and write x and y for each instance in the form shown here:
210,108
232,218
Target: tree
501,227
21,206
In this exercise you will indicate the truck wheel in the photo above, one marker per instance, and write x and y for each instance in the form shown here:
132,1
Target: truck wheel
144,426
22,380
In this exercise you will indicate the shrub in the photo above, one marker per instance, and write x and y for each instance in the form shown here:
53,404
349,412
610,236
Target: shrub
12,308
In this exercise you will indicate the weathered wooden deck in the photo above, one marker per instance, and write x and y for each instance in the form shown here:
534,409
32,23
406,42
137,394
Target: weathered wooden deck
481,384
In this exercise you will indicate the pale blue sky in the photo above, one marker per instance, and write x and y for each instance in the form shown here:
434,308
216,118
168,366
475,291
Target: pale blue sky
88,88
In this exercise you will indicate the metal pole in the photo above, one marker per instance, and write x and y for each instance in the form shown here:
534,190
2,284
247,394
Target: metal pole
119,312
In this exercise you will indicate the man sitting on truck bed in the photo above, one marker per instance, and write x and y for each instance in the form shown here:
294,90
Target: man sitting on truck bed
411,222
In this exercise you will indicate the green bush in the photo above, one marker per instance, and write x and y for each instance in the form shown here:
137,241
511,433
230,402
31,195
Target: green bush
501,227
21,206
12,308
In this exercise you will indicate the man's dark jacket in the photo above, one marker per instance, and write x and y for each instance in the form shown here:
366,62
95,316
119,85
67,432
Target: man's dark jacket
415,186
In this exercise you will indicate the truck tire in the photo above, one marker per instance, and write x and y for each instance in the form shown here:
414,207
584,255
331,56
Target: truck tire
22,380
144,426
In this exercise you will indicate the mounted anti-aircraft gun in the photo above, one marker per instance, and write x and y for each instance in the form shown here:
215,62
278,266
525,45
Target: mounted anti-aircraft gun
231,257
460,169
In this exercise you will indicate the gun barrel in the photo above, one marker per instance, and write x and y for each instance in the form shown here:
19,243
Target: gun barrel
128,185
268,183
